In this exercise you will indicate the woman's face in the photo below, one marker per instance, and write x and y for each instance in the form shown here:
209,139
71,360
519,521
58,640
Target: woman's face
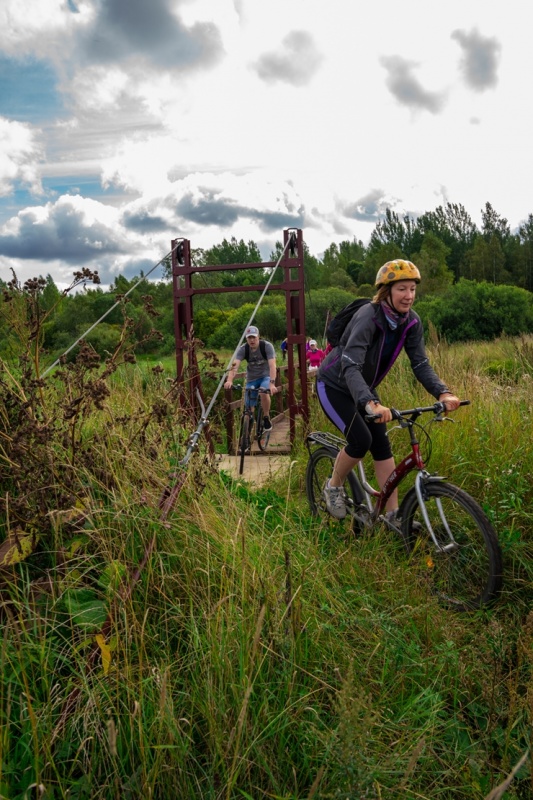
403,295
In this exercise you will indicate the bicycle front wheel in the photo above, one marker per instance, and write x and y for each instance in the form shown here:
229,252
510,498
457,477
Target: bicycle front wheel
262,436
466,572
244,440
319,470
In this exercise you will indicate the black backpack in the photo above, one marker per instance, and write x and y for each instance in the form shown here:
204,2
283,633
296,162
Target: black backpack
339,322
262,347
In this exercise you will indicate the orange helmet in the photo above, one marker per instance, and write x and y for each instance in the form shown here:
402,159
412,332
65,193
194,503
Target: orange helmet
397,270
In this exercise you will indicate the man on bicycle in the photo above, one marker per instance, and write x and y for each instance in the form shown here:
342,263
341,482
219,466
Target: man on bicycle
261,370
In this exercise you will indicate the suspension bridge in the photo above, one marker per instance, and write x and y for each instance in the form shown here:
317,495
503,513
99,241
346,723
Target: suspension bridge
291,401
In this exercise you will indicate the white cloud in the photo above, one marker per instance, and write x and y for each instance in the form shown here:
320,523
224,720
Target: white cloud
20,154
407,88
295,61
42,29
213,118
481,55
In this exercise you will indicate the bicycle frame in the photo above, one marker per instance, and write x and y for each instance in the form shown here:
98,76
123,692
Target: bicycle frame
411,461
375,501
252,422
251,397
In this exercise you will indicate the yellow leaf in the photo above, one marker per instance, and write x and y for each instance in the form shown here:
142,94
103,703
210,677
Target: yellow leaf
106,652
18,546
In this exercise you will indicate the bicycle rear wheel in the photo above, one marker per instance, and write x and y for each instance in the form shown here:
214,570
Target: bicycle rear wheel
319,469
466,575
244,440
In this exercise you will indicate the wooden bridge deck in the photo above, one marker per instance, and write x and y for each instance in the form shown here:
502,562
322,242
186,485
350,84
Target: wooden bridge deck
260,467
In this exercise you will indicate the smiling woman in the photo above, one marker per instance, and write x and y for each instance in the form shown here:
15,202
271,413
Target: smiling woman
347,380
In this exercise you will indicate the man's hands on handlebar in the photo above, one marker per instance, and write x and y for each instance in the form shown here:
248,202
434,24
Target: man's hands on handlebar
272,390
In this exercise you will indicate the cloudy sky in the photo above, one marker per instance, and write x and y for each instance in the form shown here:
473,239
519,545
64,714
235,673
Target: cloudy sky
126,123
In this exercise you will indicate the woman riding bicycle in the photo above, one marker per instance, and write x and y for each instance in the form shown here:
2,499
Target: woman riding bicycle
348,377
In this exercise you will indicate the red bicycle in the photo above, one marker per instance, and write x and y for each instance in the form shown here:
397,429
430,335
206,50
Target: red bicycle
445,531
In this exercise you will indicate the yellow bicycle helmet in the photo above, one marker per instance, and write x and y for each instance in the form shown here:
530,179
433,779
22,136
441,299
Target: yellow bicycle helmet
397,270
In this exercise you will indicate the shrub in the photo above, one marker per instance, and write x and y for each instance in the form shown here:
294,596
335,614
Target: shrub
479,311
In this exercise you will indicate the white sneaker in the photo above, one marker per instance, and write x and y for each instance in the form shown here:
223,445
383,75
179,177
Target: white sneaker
335,500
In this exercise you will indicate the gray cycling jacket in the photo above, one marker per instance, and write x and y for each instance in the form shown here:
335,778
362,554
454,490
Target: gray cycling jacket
356,365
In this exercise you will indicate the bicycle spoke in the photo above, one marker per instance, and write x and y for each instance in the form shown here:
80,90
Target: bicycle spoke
465,571
319,470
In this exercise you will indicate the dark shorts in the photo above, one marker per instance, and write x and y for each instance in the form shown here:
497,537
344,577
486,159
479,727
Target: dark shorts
361,436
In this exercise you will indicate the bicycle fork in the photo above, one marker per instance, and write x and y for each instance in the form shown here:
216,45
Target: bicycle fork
421,479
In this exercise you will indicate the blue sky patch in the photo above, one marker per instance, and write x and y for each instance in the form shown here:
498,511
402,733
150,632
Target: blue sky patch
28,90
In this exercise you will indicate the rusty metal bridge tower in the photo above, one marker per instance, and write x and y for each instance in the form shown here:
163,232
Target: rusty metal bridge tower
292,266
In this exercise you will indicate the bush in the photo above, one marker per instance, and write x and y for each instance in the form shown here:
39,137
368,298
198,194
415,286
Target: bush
479,311
228,334
104,339
206,322
270,320
320,303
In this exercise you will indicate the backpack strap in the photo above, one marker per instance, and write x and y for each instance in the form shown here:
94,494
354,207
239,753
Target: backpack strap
262,348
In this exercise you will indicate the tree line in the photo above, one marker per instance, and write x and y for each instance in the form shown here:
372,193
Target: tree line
477,284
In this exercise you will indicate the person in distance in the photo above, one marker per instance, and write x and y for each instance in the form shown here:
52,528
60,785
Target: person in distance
314,355
260,372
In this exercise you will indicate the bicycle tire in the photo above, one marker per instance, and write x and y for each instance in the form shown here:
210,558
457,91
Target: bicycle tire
319,469
262,435
244,440
468,577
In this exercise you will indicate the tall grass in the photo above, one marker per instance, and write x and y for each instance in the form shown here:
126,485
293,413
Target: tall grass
262,654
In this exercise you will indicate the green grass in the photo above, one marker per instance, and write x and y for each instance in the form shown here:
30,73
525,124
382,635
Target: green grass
263,654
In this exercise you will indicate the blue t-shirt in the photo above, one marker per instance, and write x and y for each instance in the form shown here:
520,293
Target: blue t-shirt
257,365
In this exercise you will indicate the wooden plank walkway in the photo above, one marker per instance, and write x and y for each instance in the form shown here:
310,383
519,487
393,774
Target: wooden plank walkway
259,467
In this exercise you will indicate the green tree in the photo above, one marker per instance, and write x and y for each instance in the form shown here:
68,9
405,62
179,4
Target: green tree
321,305
351,251
525,233
487,261
347,257
453,226
493,224
341,279
50,294
354,270
237,252
431,261
271,319
315,272
403,234
206,322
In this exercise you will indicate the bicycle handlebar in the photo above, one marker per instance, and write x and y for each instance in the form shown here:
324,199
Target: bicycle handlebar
438,407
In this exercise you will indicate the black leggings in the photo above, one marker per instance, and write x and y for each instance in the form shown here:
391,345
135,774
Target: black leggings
361,436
